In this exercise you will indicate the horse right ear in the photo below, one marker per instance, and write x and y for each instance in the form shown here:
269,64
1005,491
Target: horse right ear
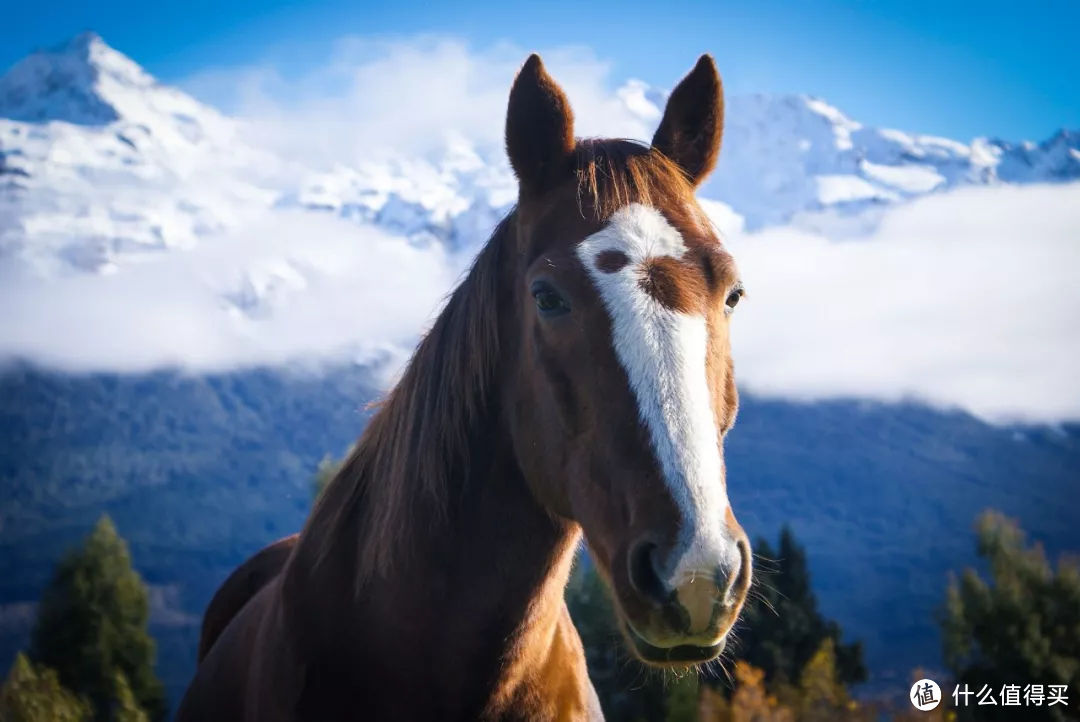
539,129
693,122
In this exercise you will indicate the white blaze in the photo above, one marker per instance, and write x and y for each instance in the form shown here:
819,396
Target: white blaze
664,354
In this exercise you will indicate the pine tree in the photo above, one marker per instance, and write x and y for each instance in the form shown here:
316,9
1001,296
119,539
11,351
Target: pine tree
92,623
124,706
1022,628
821,695
781,628
681,698
626,688
34,694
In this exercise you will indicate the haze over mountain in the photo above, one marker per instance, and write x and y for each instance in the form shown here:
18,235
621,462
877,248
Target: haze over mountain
165,269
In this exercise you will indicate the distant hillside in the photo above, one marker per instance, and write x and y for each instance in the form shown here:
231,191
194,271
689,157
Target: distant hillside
200,471
197,472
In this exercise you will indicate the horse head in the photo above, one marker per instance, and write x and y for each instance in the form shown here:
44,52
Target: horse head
620,385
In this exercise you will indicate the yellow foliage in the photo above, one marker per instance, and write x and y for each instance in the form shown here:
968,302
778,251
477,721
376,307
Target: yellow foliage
33,693
819,696
750,703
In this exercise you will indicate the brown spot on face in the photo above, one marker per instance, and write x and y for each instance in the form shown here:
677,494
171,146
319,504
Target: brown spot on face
673,283
610,261
716,266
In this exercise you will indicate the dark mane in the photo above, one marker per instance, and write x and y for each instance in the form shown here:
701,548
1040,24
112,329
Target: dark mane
425,426
613,173
425,423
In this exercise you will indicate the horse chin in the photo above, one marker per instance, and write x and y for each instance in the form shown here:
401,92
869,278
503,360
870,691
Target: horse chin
683,655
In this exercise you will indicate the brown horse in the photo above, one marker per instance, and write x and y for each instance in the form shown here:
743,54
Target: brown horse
579,379
242,585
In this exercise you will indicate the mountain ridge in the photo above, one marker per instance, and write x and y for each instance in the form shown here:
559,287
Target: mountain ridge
100,163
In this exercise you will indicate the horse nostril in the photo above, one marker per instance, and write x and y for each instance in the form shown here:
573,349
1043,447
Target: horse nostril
738,583
643,575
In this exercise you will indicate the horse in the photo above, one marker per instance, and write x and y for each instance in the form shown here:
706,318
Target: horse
245,581
578,382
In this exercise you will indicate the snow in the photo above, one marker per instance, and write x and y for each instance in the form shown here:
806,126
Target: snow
101,165
112,183
911,179
838,189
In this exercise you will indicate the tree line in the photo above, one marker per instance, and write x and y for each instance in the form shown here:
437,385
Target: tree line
91,657
788,663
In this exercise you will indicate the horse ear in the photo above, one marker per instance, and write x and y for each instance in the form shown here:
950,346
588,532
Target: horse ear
539,128
693,122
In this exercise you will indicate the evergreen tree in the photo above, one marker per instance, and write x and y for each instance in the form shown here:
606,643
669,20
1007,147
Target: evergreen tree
681,698
627,689
92,623
781,628
124,706
821,697
34,694
1021,628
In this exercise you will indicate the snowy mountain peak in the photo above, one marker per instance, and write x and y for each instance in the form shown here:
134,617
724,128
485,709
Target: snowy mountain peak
99,161
78,82
87,83
100,165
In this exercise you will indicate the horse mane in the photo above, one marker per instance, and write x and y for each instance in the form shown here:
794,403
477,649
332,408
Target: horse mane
426,425
612,173
423,425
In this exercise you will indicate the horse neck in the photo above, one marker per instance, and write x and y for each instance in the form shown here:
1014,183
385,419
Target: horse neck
478,569
479,589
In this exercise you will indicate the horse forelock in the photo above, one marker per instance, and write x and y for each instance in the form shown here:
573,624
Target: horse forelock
613,173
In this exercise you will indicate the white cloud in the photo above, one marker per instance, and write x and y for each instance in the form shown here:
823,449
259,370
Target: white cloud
291,287
966,299
377,95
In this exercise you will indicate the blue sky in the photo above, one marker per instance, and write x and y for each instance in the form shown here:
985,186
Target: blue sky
959,69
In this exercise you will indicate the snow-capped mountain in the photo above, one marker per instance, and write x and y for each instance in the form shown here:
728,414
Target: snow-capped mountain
797,159
100,164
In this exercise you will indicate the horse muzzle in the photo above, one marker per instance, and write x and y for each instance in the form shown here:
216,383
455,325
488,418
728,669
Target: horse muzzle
686,623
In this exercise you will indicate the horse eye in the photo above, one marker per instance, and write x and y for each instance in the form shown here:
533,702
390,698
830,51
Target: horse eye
733,298
548,300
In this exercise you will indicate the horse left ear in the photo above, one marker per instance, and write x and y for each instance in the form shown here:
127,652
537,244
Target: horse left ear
693,121
539,128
